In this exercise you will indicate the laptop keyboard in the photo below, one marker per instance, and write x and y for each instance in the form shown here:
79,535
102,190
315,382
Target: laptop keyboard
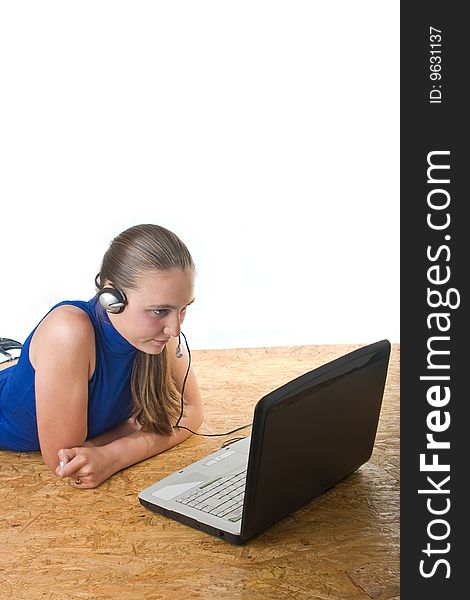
221,497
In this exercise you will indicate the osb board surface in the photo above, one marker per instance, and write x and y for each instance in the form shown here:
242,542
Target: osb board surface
60,543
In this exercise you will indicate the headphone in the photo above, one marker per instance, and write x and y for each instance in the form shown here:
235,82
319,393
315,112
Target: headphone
111,299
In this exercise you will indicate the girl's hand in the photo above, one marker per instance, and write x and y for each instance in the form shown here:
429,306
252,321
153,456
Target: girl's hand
86,466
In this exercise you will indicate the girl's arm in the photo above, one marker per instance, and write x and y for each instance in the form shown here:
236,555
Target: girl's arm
92,465
107,437
62,352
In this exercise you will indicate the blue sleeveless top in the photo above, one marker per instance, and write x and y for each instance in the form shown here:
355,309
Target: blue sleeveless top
109,393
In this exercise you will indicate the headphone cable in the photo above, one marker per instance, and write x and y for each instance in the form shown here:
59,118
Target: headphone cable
182,404
184,381
215,434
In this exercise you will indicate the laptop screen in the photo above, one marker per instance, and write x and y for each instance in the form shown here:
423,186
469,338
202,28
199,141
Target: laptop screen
313,432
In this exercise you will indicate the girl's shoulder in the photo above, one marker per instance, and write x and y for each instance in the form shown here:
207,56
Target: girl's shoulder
66,328
65,320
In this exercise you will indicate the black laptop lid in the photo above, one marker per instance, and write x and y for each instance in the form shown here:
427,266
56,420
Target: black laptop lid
311,433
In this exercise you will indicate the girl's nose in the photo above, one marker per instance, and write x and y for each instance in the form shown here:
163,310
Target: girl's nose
173,327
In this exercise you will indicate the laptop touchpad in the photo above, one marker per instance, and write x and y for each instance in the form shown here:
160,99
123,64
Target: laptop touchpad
171,491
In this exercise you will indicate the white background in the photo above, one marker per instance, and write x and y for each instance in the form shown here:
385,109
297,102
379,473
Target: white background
265,134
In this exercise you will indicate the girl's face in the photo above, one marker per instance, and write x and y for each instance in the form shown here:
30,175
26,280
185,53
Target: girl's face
156,309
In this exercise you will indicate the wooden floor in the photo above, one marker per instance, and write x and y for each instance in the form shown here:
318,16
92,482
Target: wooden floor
60,543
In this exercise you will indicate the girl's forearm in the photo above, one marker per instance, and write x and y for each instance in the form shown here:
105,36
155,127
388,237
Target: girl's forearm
139,445
120,431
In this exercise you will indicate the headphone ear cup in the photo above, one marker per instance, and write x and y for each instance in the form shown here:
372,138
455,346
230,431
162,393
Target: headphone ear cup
112,300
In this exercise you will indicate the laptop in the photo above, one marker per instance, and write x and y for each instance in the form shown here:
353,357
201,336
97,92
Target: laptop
306,436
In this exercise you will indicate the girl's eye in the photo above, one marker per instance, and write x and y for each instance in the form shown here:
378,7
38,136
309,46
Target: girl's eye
161,312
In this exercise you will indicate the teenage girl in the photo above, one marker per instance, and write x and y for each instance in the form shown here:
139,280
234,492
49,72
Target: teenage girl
98,384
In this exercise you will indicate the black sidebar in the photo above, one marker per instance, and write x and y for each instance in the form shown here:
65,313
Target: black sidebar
435,424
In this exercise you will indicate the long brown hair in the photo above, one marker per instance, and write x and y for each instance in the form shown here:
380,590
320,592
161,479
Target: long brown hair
142,248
